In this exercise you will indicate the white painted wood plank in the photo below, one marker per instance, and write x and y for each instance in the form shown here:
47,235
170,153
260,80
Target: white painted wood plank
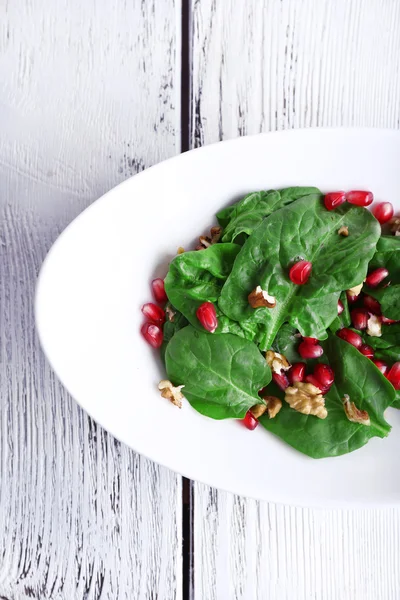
89,96
264,65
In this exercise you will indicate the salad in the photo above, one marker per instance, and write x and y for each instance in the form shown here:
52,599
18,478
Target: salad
287,316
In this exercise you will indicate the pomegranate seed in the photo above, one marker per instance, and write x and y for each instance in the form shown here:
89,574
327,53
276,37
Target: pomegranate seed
334,199
340,307
394,376
281,380
309,340
382,366
324,374
158,288
376,277
366,350
360,198
359,318
297,372
372,305
310,350
314,381
207,316
153,313
352,298
387,321
350,336
152,334
383,212
300,272
249,421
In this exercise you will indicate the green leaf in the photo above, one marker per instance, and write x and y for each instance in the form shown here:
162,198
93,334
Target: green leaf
386,347
303,230
170,328
286,343
388,256
222,374
244,217
356,376
389,299
396,403
344,319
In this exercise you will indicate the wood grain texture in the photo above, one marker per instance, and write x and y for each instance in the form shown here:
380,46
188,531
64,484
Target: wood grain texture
89,96
265,65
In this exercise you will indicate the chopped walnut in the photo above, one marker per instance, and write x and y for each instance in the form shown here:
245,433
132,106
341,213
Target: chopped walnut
374,326
343,231
306,399
171,393
355,291
257,410
260,298
207,241
277,362
215,233
181,250
274,405
395,226
170,313
354,414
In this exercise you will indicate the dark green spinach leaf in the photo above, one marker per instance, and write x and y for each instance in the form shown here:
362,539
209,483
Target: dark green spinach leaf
388,256
344,319
170,328
356,376
389,298
287,341
387,347
303,230
222,374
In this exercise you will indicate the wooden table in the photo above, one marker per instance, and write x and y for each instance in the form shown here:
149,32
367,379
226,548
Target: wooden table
91,93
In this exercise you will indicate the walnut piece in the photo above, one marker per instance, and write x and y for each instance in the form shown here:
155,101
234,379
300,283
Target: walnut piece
355,291
170,313
354,414
395,226
374,326
306,399
260,298
343,231
274,405
171,393
277,362
181,250
257,410
206,241
215,233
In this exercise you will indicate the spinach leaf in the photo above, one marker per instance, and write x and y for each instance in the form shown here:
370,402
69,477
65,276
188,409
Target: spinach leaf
303,230
222,374
344,319
356,376
170,328
396,403
388,256
197,277
244,216
389,299
386,347
286,343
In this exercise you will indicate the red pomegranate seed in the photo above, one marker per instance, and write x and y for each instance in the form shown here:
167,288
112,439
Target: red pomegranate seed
351,298
383,212
334,199
376,277
207,316
300,272
249,421
382,366
372,305
152,334
340,307
360,197
158,288
359,318
309,340
153,313
310,350
350,336
281,380
394,376
314,381
387,321
324,374
366,350
297,372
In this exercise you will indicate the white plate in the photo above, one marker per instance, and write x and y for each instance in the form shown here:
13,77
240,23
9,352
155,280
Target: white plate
97,276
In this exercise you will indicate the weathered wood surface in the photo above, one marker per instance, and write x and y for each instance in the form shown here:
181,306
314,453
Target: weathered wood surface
89,96
264,65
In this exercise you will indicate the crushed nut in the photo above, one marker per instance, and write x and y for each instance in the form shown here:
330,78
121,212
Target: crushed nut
181,250
207,241
171,393
215,233
277,362
354,414
257,410
259,297
356,290
306,399
170,313
274,405
395,226
343,231
374,326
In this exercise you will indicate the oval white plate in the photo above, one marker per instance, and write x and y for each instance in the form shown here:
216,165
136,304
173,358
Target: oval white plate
97,276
